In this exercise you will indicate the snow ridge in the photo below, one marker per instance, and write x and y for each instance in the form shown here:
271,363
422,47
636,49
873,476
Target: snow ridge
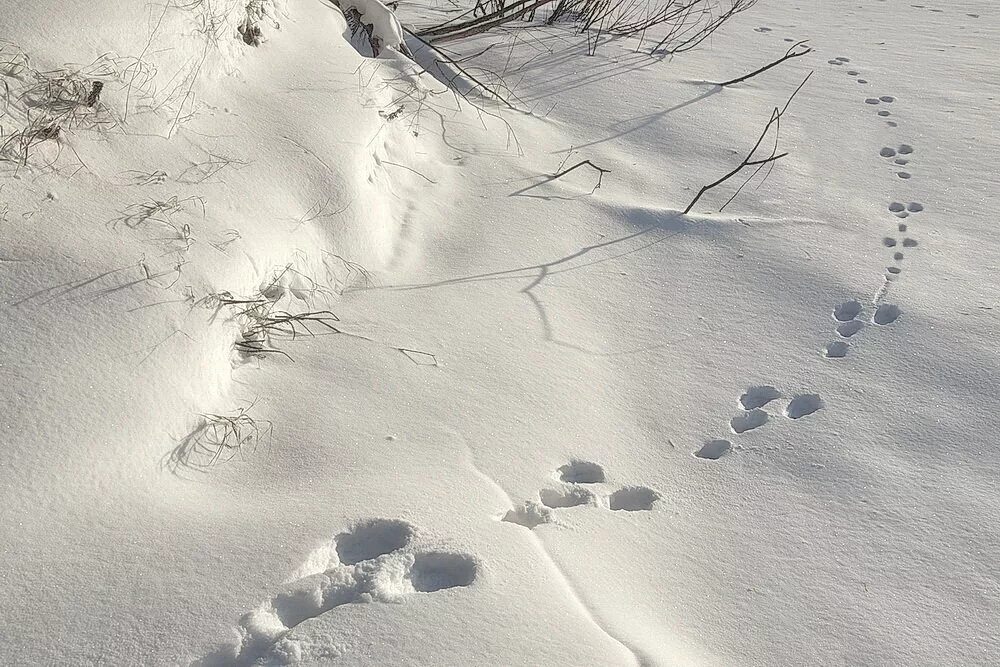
637,657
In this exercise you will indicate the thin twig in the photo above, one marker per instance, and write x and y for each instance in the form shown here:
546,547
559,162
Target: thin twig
600,175
791,53
749,160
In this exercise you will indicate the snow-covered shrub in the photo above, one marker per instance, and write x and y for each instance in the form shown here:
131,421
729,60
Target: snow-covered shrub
673,25
373,26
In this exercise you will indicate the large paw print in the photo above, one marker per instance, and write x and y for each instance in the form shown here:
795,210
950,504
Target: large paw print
371,562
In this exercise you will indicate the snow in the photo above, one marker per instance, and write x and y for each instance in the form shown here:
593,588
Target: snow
562,425
385,27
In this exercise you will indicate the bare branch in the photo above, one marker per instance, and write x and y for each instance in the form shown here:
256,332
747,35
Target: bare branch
751,160
600,175
792,52
461,70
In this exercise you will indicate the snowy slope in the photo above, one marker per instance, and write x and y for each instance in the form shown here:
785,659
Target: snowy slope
498,464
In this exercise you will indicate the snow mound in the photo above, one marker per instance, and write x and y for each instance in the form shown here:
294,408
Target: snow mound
373,26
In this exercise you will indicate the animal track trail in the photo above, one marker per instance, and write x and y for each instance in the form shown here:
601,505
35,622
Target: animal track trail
899,156
751,404
848,316
574,478
880,101
888,99
373,561
900,210
765,29
753,401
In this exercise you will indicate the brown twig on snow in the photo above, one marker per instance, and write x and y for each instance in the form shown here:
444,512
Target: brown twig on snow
792,52
749,160
600,175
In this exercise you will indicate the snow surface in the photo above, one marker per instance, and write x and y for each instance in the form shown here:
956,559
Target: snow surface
384,25
569,426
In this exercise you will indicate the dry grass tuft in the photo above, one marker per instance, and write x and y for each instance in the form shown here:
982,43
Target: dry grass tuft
218,438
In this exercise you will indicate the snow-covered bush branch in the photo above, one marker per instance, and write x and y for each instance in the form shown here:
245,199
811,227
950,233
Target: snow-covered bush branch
679,25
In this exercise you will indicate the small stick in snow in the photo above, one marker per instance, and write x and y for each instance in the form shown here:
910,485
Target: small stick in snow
600,175
749,160
418,357
793,52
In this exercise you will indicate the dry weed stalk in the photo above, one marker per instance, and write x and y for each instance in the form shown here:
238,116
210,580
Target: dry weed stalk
357,275
137,177
156,210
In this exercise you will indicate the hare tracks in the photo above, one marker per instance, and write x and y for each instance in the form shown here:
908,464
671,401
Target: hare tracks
572,490
753,416
847,315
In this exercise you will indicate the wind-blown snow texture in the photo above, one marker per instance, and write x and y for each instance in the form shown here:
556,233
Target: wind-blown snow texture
559,425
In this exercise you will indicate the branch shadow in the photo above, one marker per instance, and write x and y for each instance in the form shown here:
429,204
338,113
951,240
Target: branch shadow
655,227
644,121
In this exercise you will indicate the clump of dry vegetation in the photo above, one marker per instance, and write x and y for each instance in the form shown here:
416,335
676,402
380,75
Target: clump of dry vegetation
43,107
218,438
261,321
